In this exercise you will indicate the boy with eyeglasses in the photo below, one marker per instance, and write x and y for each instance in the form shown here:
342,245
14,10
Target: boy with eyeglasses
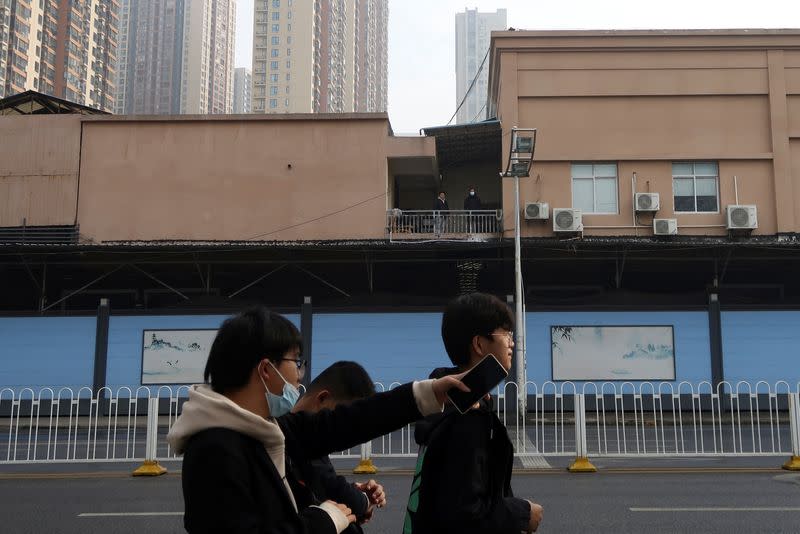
463,477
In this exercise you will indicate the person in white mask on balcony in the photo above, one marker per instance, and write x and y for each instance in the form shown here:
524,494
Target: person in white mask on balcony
234,474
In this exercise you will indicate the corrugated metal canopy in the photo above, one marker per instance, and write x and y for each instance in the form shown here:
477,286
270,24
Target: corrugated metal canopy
463,143
35,103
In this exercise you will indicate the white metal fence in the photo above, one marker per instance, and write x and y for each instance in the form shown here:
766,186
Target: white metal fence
563,419
420,224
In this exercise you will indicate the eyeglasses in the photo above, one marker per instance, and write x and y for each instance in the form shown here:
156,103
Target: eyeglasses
301,365
509,335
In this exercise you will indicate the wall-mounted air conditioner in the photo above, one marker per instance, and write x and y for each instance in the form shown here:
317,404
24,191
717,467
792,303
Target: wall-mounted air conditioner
646,202
741,217
537,211
665,226
567,220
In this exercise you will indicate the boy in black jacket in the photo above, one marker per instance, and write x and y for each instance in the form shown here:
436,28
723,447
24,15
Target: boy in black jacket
463,477
342,382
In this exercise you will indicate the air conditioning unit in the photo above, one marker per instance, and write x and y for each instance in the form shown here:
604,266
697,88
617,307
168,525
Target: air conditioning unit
537,211
665,226
567,220
646,202
742,217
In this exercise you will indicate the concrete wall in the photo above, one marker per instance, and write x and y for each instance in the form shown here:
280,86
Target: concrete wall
39,158
276,178
644,99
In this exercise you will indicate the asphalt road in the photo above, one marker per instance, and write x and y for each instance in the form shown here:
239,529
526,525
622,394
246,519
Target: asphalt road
616,500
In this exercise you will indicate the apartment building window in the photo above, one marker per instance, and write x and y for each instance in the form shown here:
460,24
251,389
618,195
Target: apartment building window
695,186
287,89
275,52
276,15
276,3
273,65
594,187
273,90
288,27
273,103
289,40
273,78
289,15
276,40
288,77
287,102
276,28
288,64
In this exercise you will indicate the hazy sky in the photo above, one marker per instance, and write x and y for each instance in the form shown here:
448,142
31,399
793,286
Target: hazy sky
422,38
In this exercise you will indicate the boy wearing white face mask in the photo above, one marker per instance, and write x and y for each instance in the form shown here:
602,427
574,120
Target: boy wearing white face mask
234,472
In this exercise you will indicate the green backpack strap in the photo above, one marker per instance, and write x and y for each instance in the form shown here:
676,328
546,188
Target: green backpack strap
413,497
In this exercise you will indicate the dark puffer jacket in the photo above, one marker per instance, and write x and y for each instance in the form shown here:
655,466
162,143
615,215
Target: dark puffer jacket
463,477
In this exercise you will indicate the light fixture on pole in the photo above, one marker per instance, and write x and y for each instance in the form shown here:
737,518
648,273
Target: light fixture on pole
520,160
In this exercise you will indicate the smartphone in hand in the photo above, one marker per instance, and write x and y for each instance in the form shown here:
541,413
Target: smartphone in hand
480,380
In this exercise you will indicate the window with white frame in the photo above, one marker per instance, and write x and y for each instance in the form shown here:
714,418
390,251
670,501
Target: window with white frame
695,186
594,187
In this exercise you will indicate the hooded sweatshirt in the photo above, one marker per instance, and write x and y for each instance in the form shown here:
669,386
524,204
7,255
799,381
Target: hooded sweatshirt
208,409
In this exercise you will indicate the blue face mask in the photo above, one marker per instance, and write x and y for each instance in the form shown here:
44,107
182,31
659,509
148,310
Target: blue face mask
281,404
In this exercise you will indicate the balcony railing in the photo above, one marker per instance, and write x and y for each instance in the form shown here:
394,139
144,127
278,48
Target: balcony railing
406,225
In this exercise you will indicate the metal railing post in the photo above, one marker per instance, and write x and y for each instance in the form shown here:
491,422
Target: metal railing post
794,429
581,463
151,467
365,466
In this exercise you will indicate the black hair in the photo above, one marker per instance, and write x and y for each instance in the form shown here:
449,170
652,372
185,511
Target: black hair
467,316
441,193
346,381
243,341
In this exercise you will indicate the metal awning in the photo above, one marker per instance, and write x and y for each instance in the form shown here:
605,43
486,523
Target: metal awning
463,143
35,103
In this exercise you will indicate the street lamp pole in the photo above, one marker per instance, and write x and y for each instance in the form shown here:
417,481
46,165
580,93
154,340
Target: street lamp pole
520,160
519,346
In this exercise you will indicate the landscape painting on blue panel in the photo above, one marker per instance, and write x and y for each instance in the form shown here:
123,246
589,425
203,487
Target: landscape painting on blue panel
613,352
175,356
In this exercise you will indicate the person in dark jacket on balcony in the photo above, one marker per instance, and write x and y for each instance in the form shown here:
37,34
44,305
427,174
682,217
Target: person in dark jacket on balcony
472,202
462,481
342,382
235,477
440,219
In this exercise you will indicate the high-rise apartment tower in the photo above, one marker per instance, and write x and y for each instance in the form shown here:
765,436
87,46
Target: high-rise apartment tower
473,38
64,48
176,56
320,56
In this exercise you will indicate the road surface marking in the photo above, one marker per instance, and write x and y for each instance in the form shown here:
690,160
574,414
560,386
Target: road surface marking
721,509
128,514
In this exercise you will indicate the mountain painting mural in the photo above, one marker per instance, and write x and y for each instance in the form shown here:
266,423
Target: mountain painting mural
613,352
175,356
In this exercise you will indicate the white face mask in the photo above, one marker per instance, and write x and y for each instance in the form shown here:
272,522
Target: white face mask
281,404
472,193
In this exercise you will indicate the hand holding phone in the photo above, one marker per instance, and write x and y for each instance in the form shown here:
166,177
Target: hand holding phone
480,380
